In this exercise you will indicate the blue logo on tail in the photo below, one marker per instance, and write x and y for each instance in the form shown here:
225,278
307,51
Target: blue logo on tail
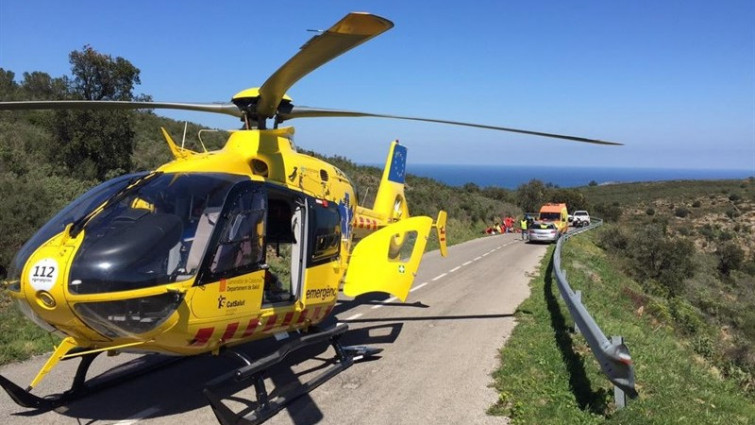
397,171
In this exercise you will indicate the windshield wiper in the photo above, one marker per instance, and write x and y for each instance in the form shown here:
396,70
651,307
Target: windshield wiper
132,184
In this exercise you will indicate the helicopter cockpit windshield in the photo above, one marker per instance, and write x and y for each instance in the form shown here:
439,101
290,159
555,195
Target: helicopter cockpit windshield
152,234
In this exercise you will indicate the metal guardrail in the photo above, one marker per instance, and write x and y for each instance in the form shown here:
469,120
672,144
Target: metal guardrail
612,355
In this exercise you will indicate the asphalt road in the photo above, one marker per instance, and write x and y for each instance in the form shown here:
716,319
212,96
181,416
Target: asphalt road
440,348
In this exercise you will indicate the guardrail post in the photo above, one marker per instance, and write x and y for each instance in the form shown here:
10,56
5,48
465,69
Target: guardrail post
577,297
619,396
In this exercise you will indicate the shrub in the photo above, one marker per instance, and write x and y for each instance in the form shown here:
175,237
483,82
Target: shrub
732,213
685,316
749,266
734,197
612,238
650,211
707,231
660,311
654,256
681,212
697,204
730,257
703,345
609,213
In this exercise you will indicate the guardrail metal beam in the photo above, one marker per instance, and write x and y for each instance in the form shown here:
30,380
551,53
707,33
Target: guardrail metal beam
612,355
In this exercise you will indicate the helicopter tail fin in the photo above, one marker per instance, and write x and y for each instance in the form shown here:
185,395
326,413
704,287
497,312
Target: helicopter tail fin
440,229
390,202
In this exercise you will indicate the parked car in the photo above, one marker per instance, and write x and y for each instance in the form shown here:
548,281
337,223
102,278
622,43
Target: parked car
581,218
543,231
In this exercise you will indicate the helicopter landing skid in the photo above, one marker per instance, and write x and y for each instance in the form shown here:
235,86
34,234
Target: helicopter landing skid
82,387
255,371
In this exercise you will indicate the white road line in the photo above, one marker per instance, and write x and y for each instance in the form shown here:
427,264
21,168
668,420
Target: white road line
478,258
467,263
139,416
486,254
418,286
454,269
356,316
438,277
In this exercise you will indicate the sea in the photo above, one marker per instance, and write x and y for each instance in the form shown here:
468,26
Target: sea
511,177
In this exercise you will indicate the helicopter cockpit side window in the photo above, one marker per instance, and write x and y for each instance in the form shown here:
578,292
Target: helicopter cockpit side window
239,244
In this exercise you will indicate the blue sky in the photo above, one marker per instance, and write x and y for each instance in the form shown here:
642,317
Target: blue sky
672,80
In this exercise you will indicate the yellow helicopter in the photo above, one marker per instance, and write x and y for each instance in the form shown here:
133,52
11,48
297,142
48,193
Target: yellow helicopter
176,261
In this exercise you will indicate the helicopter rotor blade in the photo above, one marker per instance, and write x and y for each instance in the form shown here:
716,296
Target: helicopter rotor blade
219,108
309,112
351,31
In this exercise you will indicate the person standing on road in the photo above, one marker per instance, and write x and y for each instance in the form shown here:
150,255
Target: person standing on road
523,225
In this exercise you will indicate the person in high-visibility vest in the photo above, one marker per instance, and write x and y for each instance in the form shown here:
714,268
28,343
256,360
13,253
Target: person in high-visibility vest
523,225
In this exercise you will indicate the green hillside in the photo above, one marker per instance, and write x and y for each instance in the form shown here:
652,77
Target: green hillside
674,273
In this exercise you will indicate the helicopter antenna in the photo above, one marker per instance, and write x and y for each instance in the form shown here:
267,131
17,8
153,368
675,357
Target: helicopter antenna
199,135
183,141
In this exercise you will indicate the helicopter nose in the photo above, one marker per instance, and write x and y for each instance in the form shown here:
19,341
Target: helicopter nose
41,286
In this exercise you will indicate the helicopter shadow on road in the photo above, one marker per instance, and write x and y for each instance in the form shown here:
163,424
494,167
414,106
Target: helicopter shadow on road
374,298
177,388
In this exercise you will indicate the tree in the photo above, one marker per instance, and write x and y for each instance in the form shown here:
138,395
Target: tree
97,76
574,199
92,143
8,86
532,195
40,86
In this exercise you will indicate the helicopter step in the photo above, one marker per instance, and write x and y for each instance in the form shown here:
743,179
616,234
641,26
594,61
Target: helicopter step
253,374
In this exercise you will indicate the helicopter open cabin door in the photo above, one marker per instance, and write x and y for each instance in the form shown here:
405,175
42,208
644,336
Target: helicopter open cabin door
232,275
286,244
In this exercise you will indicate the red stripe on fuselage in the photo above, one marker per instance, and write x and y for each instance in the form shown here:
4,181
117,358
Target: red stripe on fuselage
287,320
230,330
270,323
203,335
253,323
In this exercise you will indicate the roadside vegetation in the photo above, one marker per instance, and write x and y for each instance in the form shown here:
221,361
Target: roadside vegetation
672,272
